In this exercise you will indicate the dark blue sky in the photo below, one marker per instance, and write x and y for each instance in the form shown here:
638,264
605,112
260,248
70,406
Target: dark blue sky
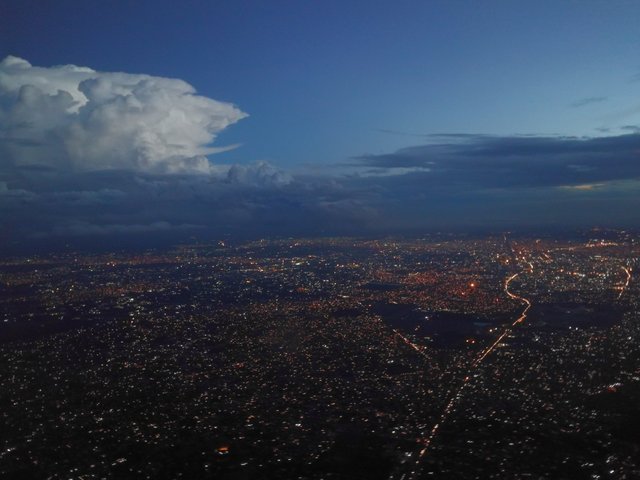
334,96
319,79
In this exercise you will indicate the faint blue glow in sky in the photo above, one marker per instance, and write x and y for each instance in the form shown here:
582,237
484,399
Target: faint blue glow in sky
320,80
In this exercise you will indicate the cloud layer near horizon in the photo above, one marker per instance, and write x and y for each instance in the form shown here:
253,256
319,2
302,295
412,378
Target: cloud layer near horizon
75,118
93,155
89,155
470,162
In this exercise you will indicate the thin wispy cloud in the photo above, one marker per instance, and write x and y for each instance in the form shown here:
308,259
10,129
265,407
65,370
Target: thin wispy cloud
583,102
584,187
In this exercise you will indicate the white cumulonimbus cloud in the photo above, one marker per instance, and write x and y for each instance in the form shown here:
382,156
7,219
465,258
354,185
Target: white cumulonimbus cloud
77,119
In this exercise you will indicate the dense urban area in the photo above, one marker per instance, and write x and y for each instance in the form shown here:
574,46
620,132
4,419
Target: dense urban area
445,357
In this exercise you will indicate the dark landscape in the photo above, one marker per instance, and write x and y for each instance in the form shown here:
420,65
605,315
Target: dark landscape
324,358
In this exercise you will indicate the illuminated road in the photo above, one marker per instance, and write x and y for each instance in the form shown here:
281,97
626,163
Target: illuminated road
455,398
458,392
624,287
520,319
417,348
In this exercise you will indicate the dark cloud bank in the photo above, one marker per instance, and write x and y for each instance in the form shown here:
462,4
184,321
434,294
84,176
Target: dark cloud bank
91,157
482,161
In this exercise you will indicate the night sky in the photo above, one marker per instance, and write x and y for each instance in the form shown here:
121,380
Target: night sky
163,120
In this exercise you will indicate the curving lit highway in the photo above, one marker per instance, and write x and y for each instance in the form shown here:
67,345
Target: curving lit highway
520,319
451,403
624,287
458,392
